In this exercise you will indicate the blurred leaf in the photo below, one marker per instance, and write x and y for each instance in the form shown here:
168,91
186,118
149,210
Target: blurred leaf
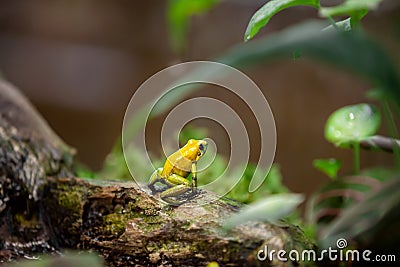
271,209
343,25
271,185
115,166
179,13
354,51
85,172
349,7
190,132
376,94
380,173
265,13
274,183
351,124
310,231
337,196
328,166
368,218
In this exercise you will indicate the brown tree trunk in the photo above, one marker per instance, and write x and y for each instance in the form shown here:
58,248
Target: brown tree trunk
44,209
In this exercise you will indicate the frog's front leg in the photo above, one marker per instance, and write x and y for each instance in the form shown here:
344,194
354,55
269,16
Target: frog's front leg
194,177
178,186
154,178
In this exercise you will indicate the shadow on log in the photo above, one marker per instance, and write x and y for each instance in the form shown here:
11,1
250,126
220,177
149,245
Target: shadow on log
44,209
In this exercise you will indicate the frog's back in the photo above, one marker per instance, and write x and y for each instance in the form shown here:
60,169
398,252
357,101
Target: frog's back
176,164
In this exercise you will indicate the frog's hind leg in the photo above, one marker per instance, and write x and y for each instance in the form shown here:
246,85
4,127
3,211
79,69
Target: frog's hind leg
178,186
170,194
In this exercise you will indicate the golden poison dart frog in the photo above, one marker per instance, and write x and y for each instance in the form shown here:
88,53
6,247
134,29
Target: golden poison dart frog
176,170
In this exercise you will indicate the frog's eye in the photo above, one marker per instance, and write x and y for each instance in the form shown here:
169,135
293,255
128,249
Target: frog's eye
201,147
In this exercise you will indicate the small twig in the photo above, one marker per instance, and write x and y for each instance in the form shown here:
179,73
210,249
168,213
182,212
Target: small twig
381,142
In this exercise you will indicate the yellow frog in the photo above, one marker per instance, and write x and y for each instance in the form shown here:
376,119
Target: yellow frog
176,169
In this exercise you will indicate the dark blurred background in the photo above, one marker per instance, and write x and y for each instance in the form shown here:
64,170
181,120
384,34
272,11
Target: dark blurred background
80,61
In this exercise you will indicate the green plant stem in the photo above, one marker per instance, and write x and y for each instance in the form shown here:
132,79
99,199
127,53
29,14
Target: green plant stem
392,131
356,151
332,22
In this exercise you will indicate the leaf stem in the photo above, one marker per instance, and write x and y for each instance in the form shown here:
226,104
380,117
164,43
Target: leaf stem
332,22
392,131
356,151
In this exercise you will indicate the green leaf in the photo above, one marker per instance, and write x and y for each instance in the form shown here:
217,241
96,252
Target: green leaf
179,13
328,166
271,185
350,7
191,132
380,173
265,13
352,124
343,25
355,52
271,209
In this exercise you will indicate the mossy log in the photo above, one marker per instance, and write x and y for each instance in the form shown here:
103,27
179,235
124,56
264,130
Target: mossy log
44,209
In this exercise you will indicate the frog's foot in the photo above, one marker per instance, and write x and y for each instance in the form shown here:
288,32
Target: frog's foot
152,188
176,195
157,187
188,196
155,178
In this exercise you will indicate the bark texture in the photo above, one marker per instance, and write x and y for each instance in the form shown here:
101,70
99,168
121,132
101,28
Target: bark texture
44,209
29,153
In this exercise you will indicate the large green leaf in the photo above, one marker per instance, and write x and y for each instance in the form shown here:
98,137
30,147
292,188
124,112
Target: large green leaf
353,51
270,209
265,13
349,7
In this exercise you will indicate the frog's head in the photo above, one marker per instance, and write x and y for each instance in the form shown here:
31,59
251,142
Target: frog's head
195,149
